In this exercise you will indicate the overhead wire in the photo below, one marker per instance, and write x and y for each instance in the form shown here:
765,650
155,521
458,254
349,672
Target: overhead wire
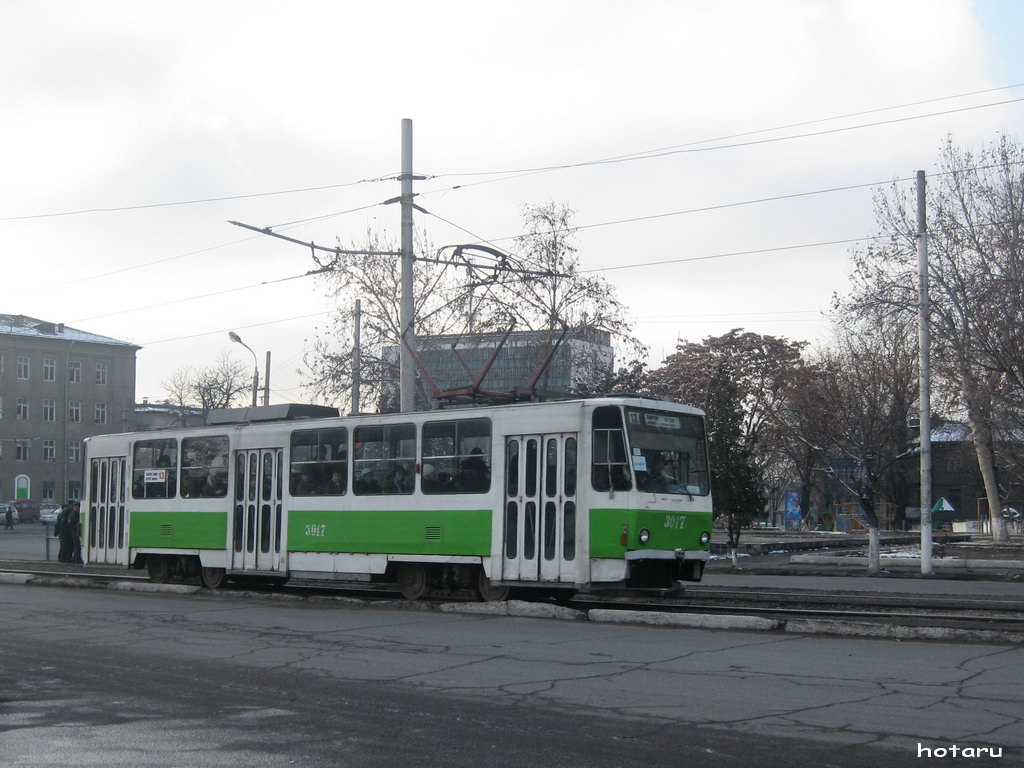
693,148
197,201
644,155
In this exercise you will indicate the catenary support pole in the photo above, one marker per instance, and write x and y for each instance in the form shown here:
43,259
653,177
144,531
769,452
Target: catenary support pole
357,352
924,384
266,381
407,375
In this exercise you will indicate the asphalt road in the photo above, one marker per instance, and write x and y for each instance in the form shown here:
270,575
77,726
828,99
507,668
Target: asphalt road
95,677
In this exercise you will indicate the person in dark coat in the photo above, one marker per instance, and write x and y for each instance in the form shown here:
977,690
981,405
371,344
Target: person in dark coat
74,523
66,529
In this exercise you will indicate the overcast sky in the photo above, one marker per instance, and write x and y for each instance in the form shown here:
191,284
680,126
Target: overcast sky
138,105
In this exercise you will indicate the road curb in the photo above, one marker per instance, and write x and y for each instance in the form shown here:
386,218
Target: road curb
691,620
898,631
136,586
519,608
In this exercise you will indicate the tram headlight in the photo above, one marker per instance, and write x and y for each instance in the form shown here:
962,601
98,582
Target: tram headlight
705,537
645,535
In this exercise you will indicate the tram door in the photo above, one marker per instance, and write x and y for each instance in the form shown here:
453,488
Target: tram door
540,508
256,512
106,535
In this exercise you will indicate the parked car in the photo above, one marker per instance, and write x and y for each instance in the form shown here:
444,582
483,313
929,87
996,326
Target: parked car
48,513
28,509
3,514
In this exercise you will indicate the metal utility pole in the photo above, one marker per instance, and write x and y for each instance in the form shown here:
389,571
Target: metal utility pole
357,354
266,381
407,370
924,384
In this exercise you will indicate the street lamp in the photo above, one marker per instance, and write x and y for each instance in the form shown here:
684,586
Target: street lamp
256,365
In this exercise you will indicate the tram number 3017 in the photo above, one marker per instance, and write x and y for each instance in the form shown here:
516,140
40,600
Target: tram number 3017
675,521
316,530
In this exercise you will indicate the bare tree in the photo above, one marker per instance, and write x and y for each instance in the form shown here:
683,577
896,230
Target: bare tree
456,297
865,384
220,385
976,234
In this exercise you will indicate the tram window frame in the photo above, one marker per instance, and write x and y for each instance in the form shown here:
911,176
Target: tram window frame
318,454
148,455
458,454
204,467
610,470
383,456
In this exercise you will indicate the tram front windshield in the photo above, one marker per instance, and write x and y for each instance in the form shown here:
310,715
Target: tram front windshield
668,452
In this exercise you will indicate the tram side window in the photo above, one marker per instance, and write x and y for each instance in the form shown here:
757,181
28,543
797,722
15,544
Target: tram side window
456,456
609,469
319,462
382,459
155,469
204,467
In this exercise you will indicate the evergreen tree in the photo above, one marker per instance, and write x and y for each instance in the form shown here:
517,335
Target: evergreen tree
735,477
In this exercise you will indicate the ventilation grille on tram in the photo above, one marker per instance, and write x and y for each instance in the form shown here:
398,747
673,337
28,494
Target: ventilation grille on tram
432,533
166,530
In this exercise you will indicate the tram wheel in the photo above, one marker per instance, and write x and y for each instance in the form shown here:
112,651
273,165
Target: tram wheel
488,592
412,581
159,569
212,578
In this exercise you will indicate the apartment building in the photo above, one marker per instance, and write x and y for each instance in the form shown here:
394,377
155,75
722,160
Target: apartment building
58,386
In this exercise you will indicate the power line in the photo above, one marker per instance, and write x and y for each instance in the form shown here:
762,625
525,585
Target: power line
654,318
198,296
691,148
732,253
286,225
237,327
197,201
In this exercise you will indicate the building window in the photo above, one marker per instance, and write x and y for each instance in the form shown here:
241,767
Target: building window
21,450
75,372
49,369
74,411
101,413
49,450
74,490
49,410
23,368
49,488
101,373
21,413
74,451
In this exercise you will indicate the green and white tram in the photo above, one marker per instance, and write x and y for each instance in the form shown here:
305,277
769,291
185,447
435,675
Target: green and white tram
608,493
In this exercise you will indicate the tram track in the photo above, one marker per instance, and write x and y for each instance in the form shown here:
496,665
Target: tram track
1002,614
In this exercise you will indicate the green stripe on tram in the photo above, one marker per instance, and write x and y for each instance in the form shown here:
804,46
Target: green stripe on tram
179,530
399,532
669,530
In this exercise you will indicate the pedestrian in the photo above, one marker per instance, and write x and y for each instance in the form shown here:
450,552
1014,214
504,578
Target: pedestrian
9,518
59,525
74,523
67,530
